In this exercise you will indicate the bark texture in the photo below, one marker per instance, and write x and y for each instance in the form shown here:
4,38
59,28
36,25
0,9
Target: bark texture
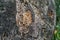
43,16
27,19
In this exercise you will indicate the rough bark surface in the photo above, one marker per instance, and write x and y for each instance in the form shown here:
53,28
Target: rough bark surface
27,19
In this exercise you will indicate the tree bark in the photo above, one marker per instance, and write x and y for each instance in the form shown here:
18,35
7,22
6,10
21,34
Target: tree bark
43,16
27,19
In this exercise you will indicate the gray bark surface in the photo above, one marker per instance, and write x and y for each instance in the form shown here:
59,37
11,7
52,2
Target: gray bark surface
43,19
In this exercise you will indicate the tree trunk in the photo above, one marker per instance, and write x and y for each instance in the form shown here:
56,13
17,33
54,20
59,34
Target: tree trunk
27,19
